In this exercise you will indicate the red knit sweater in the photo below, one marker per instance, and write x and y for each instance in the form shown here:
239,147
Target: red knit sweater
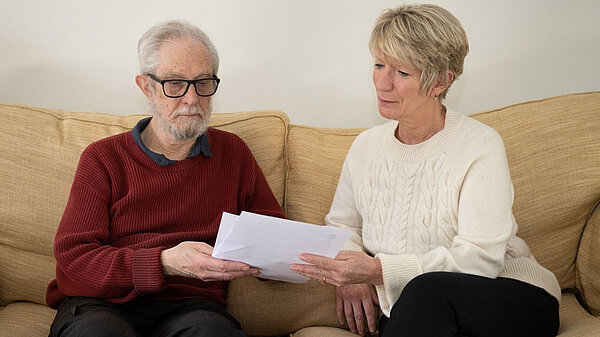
124,209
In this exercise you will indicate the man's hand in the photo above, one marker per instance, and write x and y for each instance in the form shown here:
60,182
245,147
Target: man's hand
354,303
193,259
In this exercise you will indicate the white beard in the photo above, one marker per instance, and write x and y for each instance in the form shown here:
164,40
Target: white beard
194,129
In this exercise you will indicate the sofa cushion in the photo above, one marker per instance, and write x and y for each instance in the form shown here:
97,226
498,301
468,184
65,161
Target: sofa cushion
553,151
40,152
588,262
319,331
575,321
278,308
315,159
24,319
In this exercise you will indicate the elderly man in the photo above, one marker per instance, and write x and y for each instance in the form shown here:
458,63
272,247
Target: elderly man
133,248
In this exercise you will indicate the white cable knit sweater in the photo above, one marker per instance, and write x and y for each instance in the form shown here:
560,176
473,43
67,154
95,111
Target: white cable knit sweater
441,205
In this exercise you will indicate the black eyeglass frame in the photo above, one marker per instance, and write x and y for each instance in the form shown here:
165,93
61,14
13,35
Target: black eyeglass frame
189,82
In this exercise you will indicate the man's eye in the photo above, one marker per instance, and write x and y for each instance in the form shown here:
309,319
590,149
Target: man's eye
176,84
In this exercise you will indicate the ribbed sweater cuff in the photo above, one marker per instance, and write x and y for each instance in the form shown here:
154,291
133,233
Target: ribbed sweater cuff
397,271
528,270
147,271
351,245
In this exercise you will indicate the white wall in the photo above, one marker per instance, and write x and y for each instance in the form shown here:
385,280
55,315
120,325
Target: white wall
308,58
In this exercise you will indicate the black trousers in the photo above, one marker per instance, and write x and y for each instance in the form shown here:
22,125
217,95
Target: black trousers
90,317
452,304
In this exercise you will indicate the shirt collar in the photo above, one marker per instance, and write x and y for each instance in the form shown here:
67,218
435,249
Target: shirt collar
201,146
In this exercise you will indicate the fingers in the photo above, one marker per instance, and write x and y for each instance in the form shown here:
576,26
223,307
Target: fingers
211,269
322,269
223,266
314,272
349,267
349,314
193,259
374,297
370,313
354,303
210,276
321,261
339,306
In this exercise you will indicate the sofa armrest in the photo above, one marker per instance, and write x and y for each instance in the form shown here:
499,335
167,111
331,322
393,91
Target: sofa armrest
588,260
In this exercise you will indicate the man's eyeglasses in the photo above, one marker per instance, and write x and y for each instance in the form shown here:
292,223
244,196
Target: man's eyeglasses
178,88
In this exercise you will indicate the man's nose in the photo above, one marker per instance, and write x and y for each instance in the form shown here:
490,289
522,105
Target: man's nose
190,97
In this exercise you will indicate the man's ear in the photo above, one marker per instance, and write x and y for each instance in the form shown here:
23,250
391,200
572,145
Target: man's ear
142,83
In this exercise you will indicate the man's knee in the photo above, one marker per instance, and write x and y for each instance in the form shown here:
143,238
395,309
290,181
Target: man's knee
199,323
82,316
98,323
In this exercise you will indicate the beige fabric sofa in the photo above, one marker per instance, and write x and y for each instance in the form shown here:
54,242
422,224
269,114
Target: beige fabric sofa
553,147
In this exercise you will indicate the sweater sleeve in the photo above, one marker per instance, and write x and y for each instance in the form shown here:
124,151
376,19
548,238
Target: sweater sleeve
485,224
86,264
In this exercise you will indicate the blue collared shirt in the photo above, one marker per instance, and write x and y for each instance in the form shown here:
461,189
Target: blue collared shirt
201,145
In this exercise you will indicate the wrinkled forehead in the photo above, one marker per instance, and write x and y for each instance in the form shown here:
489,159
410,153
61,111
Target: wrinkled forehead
184,59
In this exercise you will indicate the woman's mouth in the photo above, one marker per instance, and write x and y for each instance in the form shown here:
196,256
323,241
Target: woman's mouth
383,101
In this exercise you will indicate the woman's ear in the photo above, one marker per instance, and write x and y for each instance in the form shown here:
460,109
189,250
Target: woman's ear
443,83
142,83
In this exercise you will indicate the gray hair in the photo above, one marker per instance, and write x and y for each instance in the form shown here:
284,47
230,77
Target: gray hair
150,43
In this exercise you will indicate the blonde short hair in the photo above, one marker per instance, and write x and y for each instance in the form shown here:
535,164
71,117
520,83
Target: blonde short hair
425,37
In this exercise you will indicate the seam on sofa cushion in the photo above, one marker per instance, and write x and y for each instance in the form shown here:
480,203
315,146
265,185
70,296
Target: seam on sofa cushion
535,101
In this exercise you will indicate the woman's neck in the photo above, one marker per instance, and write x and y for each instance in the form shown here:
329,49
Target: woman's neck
413,131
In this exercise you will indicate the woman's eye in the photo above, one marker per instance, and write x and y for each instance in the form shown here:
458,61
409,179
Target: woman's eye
378,66
403,74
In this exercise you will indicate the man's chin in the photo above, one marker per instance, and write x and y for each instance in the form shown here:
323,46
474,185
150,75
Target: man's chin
186,124
187,132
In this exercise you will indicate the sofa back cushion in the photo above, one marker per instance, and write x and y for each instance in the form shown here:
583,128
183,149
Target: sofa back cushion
40,151
553,148
315,159
276,308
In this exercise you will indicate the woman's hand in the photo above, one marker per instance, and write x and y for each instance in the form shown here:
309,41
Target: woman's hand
348,267
354,303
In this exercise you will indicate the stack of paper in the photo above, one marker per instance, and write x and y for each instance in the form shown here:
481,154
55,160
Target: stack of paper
273,244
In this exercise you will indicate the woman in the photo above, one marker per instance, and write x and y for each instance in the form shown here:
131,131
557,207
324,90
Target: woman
428,200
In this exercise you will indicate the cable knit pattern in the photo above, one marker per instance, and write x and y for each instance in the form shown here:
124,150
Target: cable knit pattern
441,205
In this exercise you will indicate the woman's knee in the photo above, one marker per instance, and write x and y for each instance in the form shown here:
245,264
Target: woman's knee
425,289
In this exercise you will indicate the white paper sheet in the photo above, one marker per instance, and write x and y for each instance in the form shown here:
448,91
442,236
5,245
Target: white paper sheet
273,244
